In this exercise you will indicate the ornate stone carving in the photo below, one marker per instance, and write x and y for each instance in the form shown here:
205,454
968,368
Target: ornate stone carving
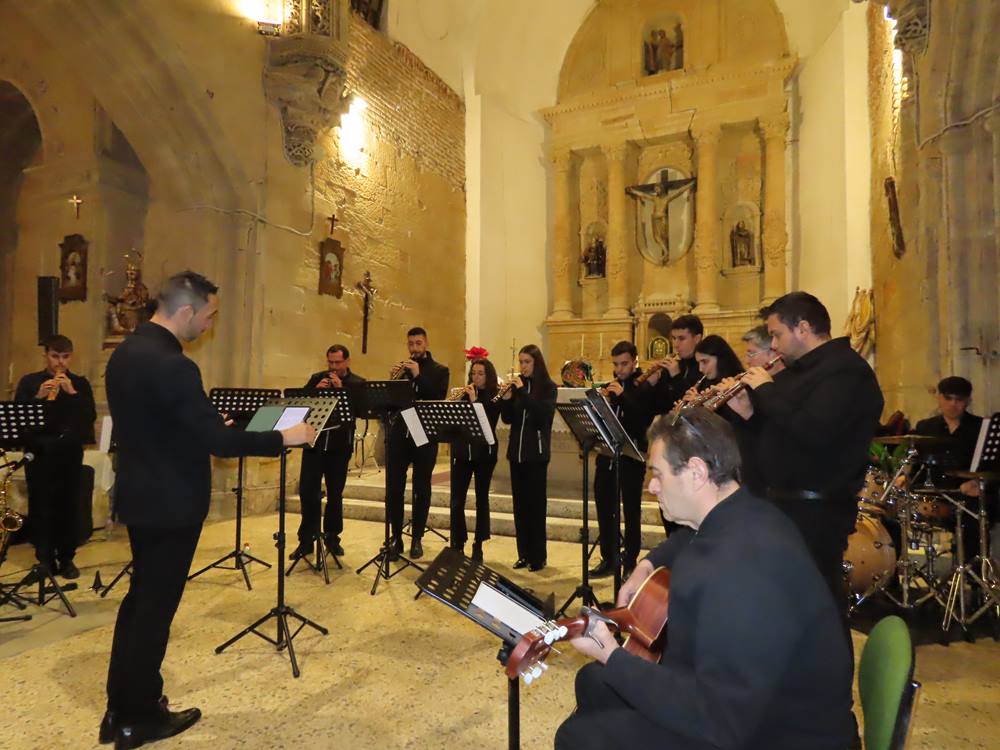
912,24
706,133
775,237
306,74
774,126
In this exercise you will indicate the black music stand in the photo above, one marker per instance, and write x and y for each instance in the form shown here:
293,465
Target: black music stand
493,602
383,400
267,418
619,443
238,404
342,416
588,430
19,423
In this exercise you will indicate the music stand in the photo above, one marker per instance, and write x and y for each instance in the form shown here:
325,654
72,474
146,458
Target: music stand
589,432
493,602
343,415
270,417
238,404
19,422
383,400
619,443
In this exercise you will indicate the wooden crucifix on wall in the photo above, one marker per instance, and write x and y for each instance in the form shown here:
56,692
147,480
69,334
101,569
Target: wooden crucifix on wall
366,288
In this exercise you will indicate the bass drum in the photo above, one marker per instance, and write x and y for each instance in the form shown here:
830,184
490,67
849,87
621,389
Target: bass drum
870,556
870,496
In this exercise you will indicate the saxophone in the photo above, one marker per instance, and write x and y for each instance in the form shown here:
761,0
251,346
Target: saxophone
10,519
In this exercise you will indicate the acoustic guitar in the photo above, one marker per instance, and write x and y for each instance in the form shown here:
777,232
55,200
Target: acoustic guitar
643,623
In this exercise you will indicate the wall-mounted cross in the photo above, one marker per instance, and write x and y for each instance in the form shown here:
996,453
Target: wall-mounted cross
333,222
76,201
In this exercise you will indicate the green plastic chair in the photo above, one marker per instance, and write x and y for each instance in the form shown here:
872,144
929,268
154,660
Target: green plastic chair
885,682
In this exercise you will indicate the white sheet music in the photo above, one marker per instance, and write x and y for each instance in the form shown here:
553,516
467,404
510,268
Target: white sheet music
507,611
291,416
413,425
484,423
984,449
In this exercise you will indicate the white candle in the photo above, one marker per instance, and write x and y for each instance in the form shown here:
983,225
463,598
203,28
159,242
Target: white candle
581,346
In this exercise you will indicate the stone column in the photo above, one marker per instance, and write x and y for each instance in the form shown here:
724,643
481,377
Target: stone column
706,229
564,250
775,239
618,250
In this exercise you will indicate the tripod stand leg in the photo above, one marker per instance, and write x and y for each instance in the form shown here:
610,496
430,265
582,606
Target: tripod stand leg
122,572
241,564
246,631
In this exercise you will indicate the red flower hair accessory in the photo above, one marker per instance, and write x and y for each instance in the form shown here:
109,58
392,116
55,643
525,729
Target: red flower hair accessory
476,352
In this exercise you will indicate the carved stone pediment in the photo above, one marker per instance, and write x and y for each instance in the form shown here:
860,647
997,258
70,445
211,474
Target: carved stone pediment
305,77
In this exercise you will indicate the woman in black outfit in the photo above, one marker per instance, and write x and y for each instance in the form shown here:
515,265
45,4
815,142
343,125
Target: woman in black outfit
716,360
528,408
479,461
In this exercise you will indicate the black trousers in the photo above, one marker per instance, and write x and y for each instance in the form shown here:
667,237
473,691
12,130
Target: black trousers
530,494
605,496
161,559
604,720
402,454
53,480
462,473
318,466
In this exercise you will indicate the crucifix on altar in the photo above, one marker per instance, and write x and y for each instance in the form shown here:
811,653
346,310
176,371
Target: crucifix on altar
665,216
76,201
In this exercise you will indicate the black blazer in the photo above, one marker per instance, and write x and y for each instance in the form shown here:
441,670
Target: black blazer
462,450
431,384
530,418
166,430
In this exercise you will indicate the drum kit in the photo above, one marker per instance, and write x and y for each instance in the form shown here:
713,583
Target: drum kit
905,523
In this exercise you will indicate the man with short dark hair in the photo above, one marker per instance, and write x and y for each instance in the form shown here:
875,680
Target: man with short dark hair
754,657
679,371
166,430
53,478
328,461
631,403
430,383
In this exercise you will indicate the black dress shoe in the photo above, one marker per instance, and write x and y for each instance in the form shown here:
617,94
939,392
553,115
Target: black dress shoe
333,545
167,724
109,724
477,552
416,548
603,569
304,548
521,563
69,571
535,567
395,549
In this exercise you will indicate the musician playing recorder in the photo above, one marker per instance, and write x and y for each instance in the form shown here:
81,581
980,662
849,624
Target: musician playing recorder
755,656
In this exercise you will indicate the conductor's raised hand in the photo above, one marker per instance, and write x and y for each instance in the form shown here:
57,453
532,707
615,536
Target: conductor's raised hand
298,434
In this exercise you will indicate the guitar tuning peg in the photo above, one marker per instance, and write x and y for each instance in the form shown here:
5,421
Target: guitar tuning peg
536,673
528,677
543,665
563,630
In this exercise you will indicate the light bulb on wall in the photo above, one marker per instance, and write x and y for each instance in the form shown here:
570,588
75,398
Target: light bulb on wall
352,133
266,13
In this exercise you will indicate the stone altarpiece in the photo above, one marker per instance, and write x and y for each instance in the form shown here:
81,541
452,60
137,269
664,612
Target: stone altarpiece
721,119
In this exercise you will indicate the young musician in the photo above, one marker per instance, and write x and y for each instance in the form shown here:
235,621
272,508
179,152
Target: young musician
328,461
680,371
166,430
430,383
754,657
528,407
475,461
53,478
631,404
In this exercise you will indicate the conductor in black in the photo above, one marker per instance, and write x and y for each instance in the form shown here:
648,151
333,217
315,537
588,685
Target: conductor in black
430,383
166,430
328,460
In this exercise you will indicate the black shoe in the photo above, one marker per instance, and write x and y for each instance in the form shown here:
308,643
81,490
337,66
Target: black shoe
535,567
477,552
333,545
416,548
109,724
167,724
395,549
521,563
304,549
69,571
603,569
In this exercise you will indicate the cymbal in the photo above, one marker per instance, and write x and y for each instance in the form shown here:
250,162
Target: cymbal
983,476
914,440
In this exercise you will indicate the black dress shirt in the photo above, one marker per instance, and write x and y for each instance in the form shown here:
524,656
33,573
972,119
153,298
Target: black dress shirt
756,655
340,438
671,388
955,455
817,422
166,430
462,450
430,384
69,418
634,408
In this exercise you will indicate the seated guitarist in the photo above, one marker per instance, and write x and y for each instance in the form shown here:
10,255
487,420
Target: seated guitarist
755,654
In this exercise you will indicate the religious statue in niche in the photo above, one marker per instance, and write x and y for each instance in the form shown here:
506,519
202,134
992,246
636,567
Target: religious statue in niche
73,268
665,219
331,267
659,348
741,245
664,50
131,307
595,259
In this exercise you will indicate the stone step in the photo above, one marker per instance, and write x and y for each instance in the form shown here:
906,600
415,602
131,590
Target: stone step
501,522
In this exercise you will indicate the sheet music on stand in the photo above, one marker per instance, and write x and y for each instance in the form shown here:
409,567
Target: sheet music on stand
18,421
343,413
443,421
282,413
240,404
615,431
987,454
